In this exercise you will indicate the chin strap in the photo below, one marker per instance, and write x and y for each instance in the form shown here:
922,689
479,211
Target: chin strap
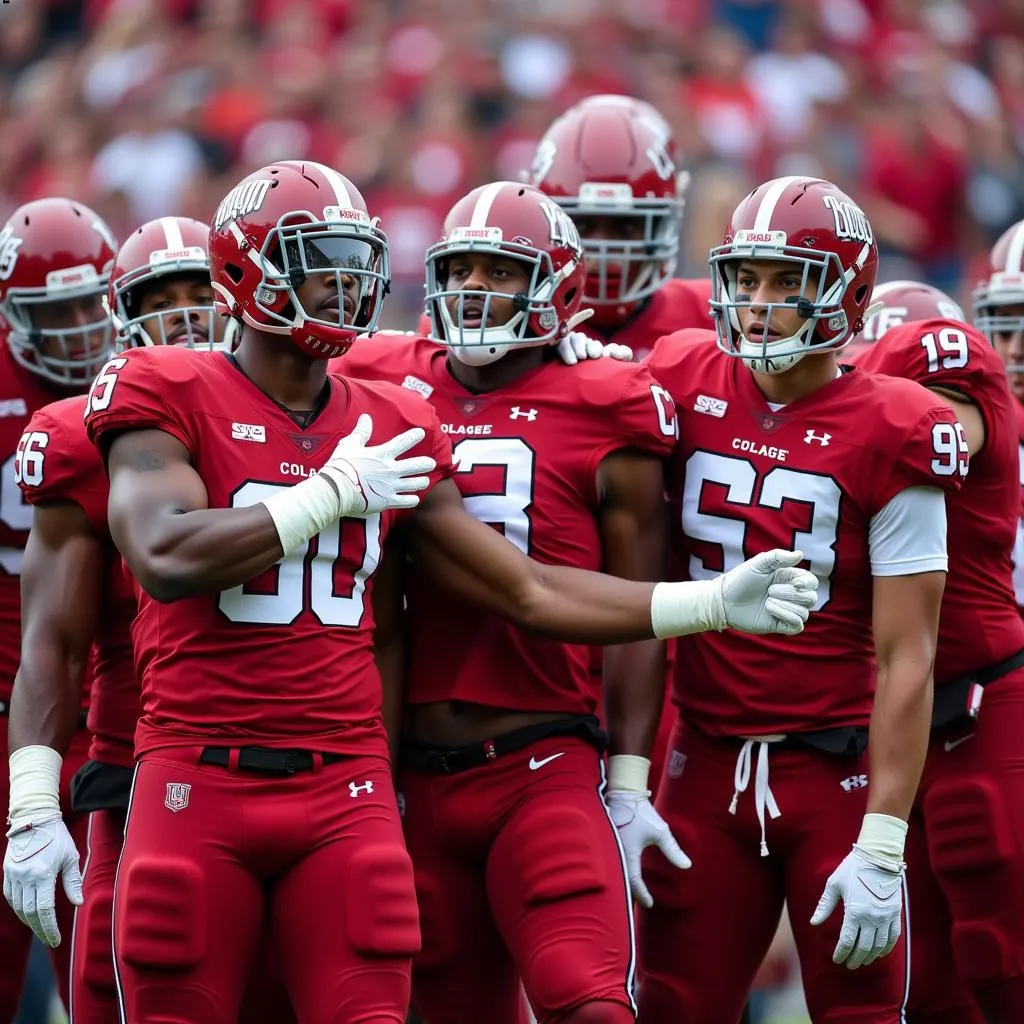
577,318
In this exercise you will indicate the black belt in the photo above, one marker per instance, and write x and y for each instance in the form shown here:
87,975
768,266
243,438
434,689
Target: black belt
843,741
429,759
959,702
5,710
101,787
263,759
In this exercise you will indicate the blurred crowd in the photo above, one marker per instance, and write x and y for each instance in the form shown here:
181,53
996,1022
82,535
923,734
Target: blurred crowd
147,107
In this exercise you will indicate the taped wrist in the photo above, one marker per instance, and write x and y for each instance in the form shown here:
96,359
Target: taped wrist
303,510
35,785
678,609
629,772
882,840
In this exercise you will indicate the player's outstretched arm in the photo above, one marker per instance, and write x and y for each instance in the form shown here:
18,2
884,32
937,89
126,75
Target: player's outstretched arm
61,588
763,595
177,546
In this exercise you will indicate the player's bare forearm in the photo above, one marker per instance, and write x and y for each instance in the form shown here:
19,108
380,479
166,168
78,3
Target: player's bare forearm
633,520
389,643
906,618
61,589
175,545
473,561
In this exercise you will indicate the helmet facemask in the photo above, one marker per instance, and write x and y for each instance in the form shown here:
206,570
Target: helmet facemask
534,320
825,326
66,356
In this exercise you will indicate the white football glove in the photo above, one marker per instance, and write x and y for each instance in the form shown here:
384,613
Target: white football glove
869,881
576,347
36,855
355,481
766,594
639,824
39,846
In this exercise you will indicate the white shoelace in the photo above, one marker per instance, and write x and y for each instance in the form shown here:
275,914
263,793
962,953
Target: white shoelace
763,795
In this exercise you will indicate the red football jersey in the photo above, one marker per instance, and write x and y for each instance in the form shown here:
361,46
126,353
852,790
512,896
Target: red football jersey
809,476
21,394
286,659
527,457
980,624
58,463
1018,547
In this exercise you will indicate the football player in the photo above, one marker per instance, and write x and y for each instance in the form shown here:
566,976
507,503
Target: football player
258,521
55,260
518,868
998,311
780,442
965,844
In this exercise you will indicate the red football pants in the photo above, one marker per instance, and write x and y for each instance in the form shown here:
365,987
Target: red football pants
93,989
707,934
15,937
210,853
519,873
965,857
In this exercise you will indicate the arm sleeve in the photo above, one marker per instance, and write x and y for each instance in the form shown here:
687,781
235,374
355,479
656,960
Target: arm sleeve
908,535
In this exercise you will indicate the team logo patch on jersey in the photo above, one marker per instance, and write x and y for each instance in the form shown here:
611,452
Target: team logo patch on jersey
306,443
676,764
176,798
823,439
710,406
249,432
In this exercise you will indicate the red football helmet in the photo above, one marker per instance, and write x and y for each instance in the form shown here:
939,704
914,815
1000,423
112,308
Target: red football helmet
614,156
55,260
507,218
998,301
812,224
287,221
898,302
162,248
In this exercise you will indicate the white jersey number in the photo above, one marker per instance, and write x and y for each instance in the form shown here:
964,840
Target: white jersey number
304,581
508,508
778,486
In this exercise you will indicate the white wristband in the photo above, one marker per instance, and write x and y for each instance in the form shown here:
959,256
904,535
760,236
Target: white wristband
678,609
629,772
303,510
883,838
35,784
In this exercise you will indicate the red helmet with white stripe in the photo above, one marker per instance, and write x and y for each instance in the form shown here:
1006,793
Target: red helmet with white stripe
614,156
283,223
55,260
507,218
161,248
899,302
998,301
811,224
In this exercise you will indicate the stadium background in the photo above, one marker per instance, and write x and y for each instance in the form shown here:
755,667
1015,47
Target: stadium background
148,107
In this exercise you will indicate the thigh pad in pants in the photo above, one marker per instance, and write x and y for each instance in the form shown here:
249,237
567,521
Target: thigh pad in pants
382,919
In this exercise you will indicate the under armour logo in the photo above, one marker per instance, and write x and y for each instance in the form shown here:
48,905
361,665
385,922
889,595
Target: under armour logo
854,782
516,413
176,798
822,439
354,790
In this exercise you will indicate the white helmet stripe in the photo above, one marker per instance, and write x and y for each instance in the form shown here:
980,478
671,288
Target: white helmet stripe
1015,253
172,232
763,221
482,210
334,179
